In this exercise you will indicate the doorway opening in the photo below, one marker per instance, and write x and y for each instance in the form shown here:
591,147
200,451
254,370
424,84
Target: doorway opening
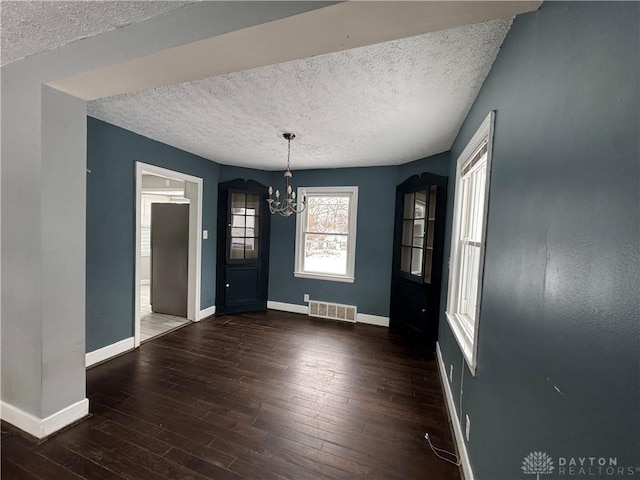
168,251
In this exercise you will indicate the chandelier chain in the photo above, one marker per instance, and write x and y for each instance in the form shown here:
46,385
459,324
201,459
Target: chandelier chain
289,204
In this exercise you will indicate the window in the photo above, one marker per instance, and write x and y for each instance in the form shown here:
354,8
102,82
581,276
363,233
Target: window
326,233
467,240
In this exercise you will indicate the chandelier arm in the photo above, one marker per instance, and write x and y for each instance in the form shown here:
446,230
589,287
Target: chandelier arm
287,206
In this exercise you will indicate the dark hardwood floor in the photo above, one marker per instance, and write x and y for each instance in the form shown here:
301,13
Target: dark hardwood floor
253,396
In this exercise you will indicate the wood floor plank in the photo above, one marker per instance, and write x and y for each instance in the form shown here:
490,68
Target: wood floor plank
11,470
266,395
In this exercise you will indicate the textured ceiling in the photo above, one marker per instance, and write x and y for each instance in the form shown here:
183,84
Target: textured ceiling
382,104
28,27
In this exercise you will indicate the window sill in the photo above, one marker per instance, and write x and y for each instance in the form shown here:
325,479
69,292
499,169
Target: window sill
464,341
323,276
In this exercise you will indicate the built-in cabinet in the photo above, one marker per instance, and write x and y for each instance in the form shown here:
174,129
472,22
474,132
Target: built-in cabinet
243,247
417,257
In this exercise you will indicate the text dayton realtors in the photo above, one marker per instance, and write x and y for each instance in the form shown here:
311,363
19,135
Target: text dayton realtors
592,466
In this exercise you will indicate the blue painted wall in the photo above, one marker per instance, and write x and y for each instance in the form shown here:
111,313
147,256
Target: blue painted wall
374,241
436,164
111,156
231,173
559,340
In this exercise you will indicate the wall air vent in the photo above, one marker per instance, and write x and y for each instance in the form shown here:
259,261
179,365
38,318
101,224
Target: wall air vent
333,311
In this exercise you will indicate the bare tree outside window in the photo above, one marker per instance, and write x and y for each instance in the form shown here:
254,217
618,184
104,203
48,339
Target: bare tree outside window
327,234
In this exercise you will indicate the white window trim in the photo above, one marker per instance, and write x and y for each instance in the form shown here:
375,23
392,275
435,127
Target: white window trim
467,340
349,277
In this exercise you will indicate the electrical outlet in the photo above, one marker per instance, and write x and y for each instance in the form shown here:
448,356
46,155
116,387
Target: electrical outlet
306,297
451,373
467,427
205,234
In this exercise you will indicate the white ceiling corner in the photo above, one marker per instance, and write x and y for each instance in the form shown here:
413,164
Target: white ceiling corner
31,27
381,104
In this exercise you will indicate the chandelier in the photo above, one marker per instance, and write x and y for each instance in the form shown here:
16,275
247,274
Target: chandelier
288,205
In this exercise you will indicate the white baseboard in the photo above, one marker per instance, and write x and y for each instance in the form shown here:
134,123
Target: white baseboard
453,416
304,309
43,427
110,351
373,319
288,307
207,312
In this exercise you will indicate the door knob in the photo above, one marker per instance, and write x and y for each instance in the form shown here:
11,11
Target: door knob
227,285
423,310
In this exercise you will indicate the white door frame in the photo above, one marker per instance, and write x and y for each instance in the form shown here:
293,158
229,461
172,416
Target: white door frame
192,191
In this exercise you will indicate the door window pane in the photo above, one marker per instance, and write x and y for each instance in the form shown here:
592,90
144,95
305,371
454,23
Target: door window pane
407,232
409,200
253,204
418,233
251,227
244,211
413,232
431,223
238,201
250,248
421,205
237,247
416,261
405,260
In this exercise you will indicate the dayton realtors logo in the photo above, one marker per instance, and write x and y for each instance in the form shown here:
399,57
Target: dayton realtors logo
539,463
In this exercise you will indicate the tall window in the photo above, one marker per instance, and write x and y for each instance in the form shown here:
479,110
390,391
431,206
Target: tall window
467,240
326,233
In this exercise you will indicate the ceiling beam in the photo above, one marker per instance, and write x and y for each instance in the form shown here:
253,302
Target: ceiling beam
330,29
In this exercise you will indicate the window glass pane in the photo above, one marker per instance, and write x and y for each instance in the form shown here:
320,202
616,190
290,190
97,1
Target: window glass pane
328,214
468,288
237,248
407,231
238,203
416,261
325,253
237,232
421,205
418,233
253,204
238,221
409,199
431,225
430,230
428,261
433,194
405,260
464,213
251,248
252,227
